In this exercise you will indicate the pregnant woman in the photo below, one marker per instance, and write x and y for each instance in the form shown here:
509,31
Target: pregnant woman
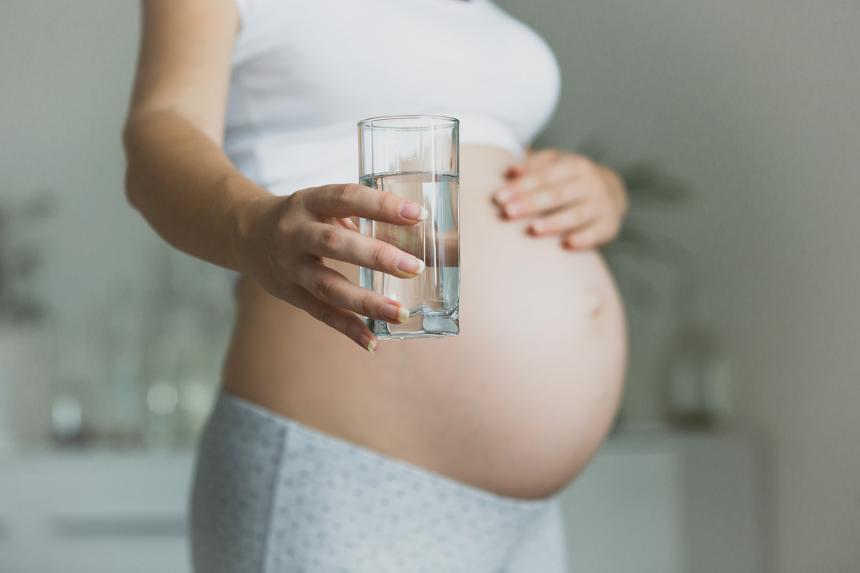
326,450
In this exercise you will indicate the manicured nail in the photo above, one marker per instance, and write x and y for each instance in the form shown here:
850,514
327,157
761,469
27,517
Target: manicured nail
411,265
512,210
505,194
575,242
395,312
371,344
410,210
537,226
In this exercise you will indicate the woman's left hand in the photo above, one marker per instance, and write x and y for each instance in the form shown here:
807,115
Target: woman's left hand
565,194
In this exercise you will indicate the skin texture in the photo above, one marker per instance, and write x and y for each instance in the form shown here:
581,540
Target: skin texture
517,403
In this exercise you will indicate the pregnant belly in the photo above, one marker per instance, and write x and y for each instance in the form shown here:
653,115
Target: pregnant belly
517,403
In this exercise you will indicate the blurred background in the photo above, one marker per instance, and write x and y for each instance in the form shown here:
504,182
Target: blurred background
737,126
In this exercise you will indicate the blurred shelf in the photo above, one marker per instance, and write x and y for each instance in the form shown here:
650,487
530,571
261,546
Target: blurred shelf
656,500
625,437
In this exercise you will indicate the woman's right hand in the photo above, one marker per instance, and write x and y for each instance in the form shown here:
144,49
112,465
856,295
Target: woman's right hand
282,241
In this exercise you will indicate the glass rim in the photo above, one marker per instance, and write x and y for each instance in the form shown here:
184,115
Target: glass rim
433,122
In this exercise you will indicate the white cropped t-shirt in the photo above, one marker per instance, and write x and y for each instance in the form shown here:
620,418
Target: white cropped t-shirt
304,73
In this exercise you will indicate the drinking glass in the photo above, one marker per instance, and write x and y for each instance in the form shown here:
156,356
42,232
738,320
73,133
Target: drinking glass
416,157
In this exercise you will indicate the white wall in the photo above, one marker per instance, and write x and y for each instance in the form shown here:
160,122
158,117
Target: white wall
65,76
757,103
66,69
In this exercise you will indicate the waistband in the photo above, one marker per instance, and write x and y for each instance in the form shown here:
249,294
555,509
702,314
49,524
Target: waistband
302,439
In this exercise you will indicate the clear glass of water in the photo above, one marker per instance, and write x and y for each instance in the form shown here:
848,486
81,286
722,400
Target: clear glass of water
416,157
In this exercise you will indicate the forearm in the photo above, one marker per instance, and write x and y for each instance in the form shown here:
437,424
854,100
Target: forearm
186,188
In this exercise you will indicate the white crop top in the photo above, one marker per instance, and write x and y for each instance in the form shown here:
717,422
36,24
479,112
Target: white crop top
304,73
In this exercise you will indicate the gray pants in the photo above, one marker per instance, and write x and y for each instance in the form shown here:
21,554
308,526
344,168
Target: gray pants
272,495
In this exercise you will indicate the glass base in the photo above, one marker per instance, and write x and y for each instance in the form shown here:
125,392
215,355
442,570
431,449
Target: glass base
418,326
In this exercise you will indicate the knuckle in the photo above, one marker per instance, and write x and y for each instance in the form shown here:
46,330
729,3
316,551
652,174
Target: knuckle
352,188
300,237
296,200
365,305
329,239
323,286
340,194
379,254
285,226
384,202
297,196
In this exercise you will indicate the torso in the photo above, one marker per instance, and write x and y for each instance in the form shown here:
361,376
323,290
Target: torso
517,403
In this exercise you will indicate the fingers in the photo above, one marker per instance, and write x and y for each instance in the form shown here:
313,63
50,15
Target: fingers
542,158
544,168
533,159
544,199
568,220
590,236
348,223
341,320
334,289
347,200
335,242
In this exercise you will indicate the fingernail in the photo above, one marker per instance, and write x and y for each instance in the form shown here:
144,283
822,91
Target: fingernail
411,265
395,312
371,344
512,209
537,226
577,241
410,210
505,194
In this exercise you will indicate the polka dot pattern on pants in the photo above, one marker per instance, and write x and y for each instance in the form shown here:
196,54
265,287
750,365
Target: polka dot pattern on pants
273,495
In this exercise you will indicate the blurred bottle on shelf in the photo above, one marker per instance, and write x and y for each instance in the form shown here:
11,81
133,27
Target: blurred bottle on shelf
697,370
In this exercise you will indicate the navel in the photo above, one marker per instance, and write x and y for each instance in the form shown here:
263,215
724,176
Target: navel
595,301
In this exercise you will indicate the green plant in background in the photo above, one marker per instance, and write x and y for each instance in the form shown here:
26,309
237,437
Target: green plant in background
19,258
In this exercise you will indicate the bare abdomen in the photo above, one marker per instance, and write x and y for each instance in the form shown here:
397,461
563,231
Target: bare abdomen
517,403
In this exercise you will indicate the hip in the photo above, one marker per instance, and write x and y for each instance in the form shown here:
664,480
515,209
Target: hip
273,494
